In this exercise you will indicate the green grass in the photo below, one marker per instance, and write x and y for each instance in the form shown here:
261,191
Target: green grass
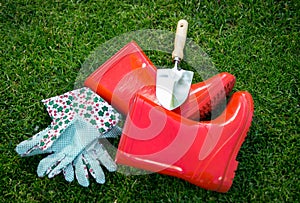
44,43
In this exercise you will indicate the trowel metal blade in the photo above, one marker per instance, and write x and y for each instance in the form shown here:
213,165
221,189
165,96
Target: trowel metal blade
173,87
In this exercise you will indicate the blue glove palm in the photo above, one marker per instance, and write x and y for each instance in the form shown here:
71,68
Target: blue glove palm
88,161
81,134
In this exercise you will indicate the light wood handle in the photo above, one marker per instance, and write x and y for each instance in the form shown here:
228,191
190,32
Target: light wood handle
180,39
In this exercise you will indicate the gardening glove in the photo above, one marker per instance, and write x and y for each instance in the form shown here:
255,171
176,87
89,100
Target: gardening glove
62,109
82,135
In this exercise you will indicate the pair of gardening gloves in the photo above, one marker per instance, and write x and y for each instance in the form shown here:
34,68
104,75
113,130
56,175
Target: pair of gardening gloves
80,120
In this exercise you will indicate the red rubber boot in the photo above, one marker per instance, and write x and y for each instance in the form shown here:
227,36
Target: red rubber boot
203,153
203,98
129,70
119,78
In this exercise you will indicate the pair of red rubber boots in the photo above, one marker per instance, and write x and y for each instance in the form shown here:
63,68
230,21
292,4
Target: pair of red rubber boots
178,142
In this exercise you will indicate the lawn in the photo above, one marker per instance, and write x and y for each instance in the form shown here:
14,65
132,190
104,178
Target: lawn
45,43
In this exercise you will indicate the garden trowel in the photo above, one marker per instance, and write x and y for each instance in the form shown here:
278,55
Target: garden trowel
173,85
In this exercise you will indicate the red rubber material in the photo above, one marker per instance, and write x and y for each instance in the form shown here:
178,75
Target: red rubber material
203,153
129,70
119,78
204,96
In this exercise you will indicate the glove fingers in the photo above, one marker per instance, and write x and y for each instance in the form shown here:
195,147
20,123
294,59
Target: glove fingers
98,152
109,164
106,160
95,169
60,166
69,173
81,172
47,164
30,146
25,149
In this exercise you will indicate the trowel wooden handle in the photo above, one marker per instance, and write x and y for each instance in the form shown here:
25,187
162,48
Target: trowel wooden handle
180,39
